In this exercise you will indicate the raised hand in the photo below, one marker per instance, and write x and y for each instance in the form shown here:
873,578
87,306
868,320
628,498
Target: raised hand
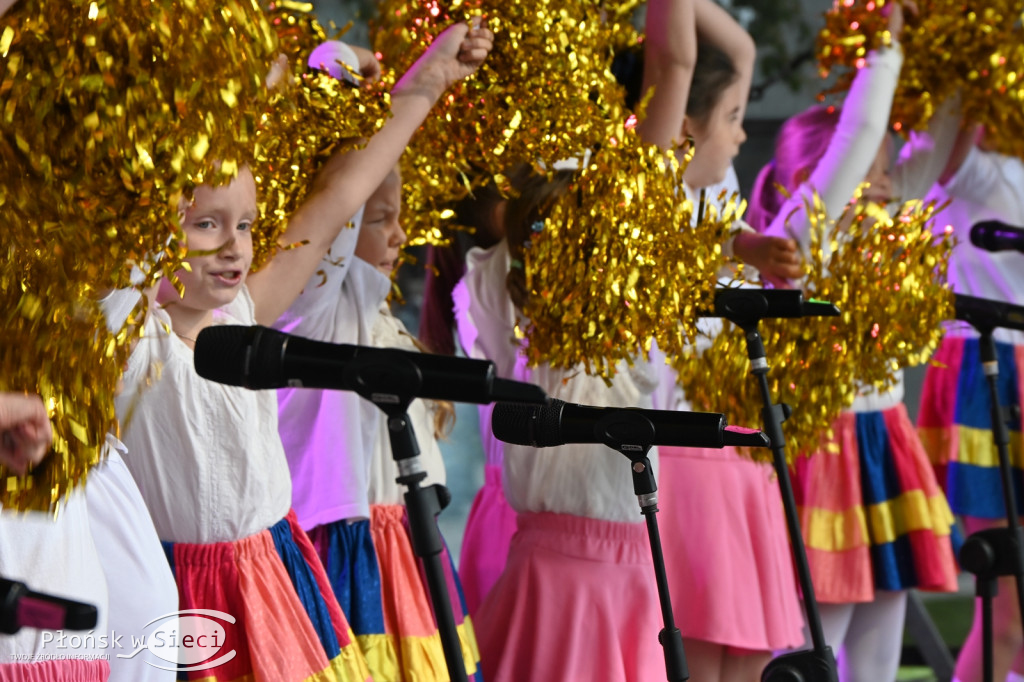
25,434
776,258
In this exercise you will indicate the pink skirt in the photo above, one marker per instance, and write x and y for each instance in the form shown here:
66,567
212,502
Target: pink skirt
577,601
489,530
75,670
730,570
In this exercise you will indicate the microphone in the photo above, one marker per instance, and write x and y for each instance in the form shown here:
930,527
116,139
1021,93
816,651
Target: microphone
987,314
260,357
993,235
621,428
21,607
743,305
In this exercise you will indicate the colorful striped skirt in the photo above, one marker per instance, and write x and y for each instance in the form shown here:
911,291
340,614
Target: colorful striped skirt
346,550
289,627
577,601
955,424
872,514
71,670
408,617
489,529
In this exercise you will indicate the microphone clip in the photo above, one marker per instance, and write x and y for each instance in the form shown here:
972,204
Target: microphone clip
747,307
985,314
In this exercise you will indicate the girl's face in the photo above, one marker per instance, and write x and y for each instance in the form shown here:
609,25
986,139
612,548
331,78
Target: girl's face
879,189
381,235
717,141
218,235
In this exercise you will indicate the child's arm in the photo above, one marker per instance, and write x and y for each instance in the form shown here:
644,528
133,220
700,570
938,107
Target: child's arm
670,54
716,27
929,156
347,180
863,125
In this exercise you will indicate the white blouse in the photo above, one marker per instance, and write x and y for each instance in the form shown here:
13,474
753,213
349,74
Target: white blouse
206,456
589,480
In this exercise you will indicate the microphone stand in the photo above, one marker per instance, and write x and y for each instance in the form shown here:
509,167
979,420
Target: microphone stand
391,382
994,552
632,434
746,308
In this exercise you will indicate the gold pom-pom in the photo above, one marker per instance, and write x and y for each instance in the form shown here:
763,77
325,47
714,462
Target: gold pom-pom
948,46
54,342
546,92
111,109
312,117
887,275
616,264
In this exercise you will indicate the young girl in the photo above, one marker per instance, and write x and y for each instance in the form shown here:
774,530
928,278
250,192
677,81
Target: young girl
727,552
577,599
880,472
208,457
357,521
955,421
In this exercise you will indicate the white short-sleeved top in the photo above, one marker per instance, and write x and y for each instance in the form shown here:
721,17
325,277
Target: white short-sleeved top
337,443
206,456
589,480
862,126
987,186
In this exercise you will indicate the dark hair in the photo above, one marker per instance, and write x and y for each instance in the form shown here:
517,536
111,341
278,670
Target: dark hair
713,73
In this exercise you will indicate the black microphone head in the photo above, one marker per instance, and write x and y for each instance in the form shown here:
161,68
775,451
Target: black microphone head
522,424
514,422
241,356
981,234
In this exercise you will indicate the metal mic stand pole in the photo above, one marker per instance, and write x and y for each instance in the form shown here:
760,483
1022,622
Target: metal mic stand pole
645,488
995,552
746,308
391,383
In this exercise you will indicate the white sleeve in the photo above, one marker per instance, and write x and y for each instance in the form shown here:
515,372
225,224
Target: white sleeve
859,133
924,156
118,305
484,313
313,312
979,179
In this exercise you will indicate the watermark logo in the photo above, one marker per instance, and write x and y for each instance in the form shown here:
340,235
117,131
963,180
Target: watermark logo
192,639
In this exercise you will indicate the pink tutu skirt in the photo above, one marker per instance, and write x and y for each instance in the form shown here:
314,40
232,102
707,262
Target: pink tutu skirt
577,601
727,555
76,670
489,530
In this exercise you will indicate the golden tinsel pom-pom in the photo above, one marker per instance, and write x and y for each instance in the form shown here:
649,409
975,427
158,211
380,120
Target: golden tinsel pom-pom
54,342
312,117
948,46
545,92
616,264
888,278
111,109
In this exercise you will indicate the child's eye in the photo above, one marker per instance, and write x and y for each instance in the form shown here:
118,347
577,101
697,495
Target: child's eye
244,226
204,224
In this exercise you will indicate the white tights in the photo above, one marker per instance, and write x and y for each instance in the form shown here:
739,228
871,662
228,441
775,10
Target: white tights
866,638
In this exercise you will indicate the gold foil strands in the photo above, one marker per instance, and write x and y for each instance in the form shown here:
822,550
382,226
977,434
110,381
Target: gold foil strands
887,276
